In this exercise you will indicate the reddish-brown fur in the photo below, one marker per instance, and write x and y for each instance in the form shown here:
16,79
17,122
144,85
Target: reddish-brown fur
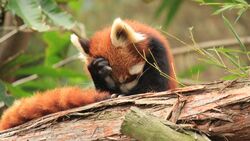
121,59
48,102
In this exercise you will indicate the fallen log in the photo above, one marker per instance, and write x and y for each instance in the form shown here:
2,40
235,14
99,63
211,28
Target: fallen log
221,110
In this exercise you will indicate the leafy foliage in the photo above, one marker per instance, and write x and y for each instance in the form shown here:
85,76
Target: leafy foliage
35,70
41,15
170,7
226,5
194,70
55,15
57,45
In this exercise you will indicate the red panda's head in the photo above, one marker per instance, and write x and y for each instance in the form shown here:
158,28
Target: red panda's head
119,44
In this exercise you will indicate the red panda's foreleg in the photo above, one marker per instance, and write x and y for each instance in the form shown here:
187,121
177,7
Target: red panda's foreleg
100,71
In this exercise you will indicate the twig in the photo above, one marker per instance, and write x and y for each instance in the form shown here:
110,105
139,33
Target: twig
11,33
57,65
191,82
25,79
210,44
66,61
8,28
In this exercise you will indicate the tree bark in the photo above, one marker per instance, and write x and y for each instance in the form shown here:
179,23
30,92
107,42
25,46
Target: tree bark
144,127
220,110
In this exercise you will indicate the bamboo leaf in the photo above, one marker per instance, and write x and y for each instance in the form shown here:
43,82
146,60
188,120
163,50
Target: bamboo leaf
48,71
41,15
41,84
17,92
231,28
162,7
173,8
193,70
31,13
57,46
7,69
230,77
54,13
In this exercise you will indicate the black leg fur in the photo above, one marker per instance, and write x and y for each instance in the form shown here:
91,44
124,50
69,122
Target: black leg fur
151,80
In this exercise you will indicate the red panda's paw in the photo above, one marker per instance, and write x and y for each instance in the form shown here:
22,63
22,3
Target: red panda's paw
101,67
101,71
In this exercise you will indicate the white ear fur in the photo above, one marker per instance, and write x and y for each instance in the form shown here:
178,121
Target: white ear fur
75,41
131,36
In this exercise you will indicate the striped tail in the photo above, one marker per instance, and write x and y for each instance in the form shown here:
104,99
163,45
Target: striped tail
51,101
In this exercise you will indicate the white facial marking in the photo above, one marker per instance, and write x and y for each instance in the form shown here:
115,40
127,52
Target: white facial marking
131,35
122,79
136,69
128,86
75,41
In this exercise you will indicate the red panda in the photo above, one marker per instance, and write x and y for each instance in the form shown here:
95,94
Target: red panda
119,59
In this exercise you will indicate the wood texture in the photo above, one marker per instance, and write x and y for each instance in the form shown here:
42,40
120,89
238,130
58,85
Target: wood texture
144,127
220,110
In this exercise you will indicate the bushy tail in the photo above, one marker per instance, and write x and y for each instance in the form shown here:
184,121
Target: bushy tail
48,102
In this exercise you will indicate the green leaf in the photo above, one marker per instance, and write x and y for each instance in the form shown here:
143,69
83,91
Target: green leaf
242,1
231,28
172,11
23,59
194,70
17,92
57,45
171,7
230,77
75,6
41,84
30,11
240,13
200,1
7,99
48,71
212,62
41,15
222,49
162,7
224,8
54,13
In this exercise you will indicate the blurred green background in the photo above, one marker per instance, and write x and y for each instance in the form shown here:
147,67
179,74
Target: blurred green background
36,61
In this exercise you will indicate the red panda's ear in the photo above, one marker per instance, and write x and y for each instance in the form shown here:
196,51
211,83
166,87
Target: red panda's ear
123,34
82,45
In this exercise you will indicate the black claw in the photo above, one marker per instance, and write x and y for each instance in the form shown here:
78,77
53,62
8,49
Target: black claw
105,71
97,60
101,67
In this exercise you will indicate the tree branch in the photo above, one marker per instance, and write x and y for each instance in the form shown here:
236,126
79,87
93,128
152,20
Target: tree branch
12,32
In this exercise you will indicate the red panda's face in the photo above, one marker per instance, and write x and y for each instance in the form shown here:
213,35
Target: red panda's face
121,45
